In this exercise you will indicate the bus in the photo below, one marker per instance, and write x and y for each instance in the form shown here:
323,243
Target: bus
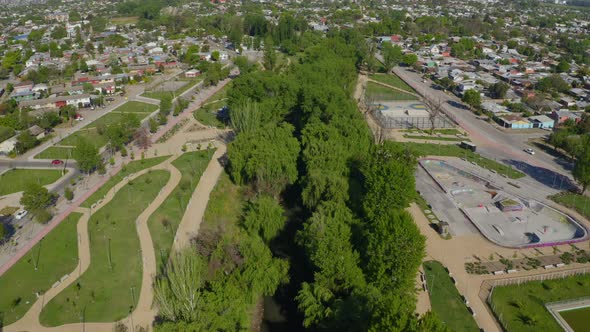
468,146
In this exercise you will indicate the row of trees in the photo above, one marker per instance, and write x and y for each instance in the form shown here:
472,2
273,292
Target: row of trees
302,147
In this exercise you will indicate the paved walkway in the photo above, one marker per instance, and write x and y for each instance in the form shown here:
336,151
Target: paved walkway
144,314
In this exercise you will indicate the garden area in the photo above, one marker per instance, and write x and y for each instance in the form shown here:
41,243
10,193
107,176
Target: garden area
49,260
130,168
445,299
522,307
111,285
164,222
16,180
424,150
393,80
383,93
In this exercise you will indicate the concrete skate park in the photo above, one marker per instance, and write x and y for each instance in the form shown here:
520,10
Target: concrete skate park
504,216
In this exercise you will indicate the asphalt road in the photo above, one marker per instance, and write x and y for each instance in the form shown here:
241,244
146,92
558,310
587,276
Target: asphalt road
548,173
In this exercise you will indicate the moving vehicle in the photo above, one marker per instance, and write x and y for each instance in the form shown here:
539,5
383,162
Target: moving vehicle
57,162
529,151
20,214
468,146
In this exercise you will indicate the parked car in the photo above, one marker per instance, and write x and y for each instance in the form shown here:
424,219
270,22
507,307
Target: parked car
529,151
56,162
20,214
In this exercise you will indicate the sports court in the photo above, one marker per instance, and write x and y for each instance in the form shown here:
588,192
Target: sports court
504,218
403,109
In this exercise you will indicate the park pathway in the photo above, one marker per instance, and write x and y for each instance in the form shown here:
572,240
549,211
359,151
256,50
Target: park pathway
191,220
143,314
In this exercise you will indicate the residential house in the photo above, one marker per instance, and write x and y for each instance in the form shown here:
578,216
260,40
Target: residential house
563,115
541,121
514,121
192,73
58,102
37,132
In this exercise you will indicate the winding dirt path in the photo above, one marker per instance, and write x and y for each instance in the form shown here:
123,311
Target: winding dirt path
144,314
191,220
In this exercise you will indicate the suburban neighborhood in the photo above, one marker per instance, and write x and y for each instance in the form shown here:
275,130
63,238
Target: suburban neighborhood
224,165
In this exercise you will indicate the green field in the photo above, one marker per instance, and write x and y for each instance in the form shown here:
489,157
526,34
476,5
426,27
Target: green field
90,135
132,167
452,150
104,292
577,319
383,93
522,307
577,202
225,207
207,114
136,107
15,180
161,94
445,300
89,132
55,256
164,222
393,80
56,152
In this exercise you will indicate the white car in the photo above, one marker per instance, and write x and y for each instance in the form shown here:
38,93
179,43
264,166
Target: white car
529,151
20,214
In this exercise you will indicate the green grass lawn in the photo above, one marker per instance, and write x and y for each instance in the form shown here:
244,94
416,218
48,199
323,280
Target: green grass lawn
522,307
90,135
446,300
164,222
103,293
393,80
451,150
577,202
577,319
383,93
130,168
88,132
208,117
207,114
56,152
219,95
225,207
56,255
161,94
16,180
136,107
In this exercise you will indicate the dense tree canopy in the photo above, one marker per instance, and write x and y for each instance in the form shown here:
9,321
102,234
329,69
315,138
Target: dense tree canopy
266,157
